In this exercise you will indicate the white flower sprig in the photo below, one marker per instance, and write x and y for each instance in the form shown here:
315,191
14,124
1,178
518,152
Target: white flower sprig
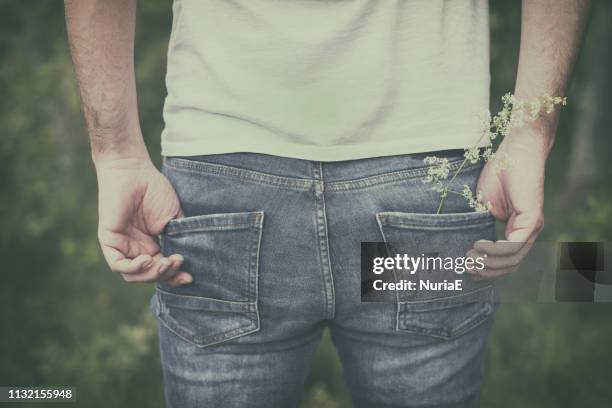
475,202
514,114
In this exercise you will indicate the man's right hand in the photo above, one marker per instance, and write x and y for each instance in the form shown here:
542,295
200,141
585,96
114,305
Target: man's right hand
135,203
135,200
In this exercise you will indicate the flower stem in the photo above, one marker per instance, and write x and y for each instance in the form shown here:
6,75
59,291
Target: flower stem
442,199
444,193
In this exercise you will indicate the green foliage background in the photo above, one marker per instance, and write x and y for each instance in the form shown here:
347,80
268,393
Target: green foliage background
65,320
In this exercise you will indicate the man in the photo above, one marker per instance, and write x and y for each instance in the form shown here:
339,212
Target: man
294,130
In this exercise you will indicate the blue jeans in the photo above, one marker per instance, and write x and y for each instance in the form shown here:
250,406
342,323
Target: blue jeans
273,245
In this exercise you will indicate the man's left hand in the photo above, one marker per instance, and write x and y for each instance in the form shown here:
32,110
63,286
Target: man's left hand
516,194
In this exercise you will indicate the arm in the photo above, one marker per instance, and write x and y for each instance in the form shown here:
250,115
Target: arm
551,33
135,200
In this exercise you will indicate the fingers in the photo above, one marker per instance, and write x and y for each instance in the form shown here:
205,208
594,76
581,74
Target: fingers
181,278
146,268
493,273
499,248
129,266
496,266
121,264
164,269
503,256
492,261
176,261
174,277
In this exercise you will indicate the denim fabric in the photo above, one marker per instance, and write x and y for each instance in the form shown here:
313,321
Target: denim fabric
273,245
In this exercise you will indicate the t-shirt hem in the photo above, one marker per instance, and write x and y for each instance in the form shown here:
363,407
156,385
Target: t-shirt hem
315,153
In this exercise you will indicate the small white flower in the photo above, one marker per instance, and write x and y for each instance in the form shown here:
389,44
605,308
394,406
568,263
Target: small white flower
438,169
475,202
488,154
472,155
467,192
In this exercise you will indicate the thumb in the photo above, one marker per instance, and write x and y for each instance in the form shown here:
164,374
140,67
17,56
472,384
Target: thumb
523,227
489,184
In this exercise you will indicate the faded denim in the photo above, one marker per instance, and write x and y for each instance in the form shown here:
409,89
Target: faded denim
273,245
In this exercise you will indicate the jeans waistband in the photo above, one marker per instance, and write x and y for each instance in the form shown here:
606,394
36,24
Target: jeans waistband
336,171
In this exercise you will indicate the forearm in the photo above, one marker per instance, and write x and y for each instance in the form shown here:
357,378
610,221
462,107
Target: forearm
551,34
101,36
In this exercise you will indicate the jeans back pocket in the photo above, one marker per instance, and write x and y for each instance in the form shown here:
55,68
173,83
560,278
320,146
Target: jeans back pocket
444,300
221,252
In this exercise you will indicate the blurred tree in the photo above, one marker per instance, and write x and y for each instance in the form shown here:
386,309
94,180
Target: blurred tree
591,98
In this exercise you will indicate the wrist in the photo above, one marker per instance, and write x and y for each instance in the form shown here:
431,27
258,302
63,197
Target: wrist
121,148
525,147
121,157
539,126
538,136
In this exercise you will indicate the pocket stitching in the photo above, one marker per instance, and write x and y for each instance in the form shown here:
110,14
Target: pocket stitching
427,221
206,222
483,314
204,341
230,303
246,175
387,249
233,227
253,266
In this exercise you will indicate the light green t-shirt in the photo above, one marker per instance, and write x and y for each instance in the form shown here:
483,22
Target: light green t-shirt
326,79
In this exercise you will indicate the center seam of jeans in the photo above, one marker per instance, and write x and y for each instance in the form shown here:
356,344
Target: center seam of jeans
323,240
